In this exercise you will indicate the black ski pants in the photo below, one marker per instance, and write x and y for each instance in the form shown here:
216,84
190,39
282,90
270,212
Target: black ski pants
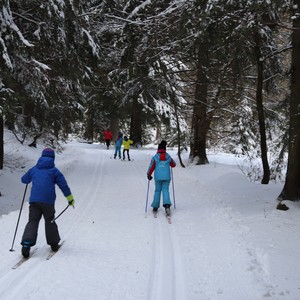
126,150
36,211
107,143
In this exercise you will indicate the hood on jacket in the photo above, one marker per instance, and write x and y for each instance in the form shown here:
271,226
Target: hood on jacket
45,162
48,152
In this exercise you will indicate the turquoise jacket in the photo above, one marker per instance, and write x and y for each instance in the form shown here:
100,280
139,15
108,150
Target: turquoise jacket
160,164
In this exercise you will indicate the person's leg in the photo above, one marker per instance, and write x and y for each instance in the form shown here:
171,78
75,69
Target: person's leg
165,193
119,152
123,154
51,229
128,154
156,197
31,229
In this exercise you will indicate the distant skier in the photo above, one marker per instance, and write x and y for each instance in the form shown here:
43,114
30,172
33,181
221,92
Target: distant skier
107,136
44,175
126,143
160,164
118,145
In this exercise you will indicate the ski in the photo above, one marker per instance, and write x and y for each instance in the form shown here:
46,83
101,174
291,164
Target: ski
50,255
168,215
169,219
23,259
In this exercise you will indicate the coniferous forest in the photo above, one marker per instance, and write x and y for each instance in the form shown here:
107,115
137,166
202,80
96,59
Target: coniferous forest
213,74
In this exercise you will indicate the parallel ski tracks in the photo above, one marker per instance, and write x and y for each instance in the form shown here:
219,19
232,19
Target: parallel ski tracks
166,280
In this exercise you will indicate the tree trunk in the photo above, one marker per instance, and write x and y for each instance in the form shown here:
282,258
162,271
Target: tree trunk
291,189
178,134
261,115
136,123
89,130
200,126
114,127
28,110
1,141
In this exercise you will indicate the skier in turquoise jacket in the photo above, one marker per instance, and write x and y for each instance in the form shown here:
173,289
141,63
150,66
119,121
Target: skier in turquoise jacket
160,164
43,176
118,145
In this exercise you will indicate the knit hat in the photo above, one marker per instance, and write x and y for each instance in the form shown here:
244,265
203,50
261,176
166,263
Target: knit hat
162,145
48,152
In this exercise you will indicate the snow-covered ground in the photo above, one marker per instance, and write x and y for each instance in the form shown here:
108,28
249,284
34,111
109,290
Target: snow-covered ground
227,241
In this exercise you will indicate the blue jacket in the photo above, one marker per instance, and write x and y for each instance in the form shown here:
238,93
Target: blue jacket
119,142
160,164
44,175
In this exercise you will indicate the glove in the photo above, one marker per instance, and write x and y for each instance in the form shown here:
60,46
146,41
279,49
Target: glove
149,177
70,200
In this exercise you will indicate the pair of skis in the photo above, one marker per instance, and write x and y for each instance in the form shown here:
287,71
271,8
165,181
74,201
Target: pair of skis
167,216
131,159
24,259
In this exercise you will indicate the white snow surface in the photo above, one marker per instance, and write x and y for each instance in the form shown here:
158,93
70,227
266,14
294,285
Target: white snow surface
227,240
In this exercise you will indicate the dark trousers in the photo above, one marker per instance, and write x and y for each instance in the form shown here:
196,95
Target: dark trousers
126,150
107,143
36,211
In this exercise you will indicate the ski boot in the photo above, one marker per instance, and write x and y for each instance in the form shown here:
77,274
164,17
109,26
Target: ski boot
54,247
26,249
168,210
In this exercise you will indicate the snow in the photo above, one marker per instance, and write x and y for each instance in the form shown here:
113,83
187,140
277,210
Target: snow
227,240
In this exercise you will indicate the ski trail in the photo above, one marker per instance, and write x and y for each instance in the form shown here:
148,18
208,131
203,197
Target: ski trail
14,281
166,280
92,172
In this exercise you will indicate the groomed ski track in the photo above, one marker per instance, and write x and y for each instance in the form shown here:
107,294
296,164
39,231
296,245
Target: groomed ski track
136,257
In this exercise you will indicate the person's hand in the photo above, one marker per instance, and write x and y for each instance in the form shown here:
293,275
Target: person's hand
149,177
71,200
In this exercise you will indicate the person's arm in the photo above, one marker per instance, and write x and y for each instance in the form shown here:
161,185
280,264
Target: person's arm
63,185
151,169
172,163
26,178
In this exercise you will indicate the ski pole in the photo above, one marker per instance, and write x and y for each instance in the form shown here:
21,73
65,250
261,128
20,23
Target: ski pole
147,197
12,245
61,213
173,189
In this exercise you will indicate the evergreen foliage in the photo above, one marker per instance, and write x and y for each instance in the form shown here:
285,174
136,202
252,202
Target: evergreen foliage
189,69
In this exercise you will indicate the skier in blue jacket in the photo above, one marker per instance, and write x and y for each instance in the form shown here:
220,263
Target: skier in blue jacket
118,145
160,164
43,176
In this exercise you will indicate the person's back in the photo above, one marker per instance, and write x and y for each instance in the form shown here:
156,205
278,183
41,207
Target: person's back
118,145
162,168
43,176
107,136
127,143
160,164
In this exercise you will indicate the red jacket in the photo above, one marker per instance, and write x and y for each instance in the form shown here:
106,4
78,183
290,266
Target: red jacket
107,135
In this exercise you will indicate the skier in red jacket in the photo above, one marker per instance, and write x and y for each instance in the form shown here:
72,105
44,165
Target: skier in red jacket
107,136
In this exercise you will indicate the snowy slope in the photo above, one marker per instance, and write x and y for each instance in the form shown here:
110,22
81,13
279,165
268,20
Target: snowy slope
226,241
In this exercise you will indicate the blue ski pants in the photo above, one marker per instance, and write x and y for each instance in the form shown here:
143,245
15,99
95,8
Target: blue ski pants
161,186
117,151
